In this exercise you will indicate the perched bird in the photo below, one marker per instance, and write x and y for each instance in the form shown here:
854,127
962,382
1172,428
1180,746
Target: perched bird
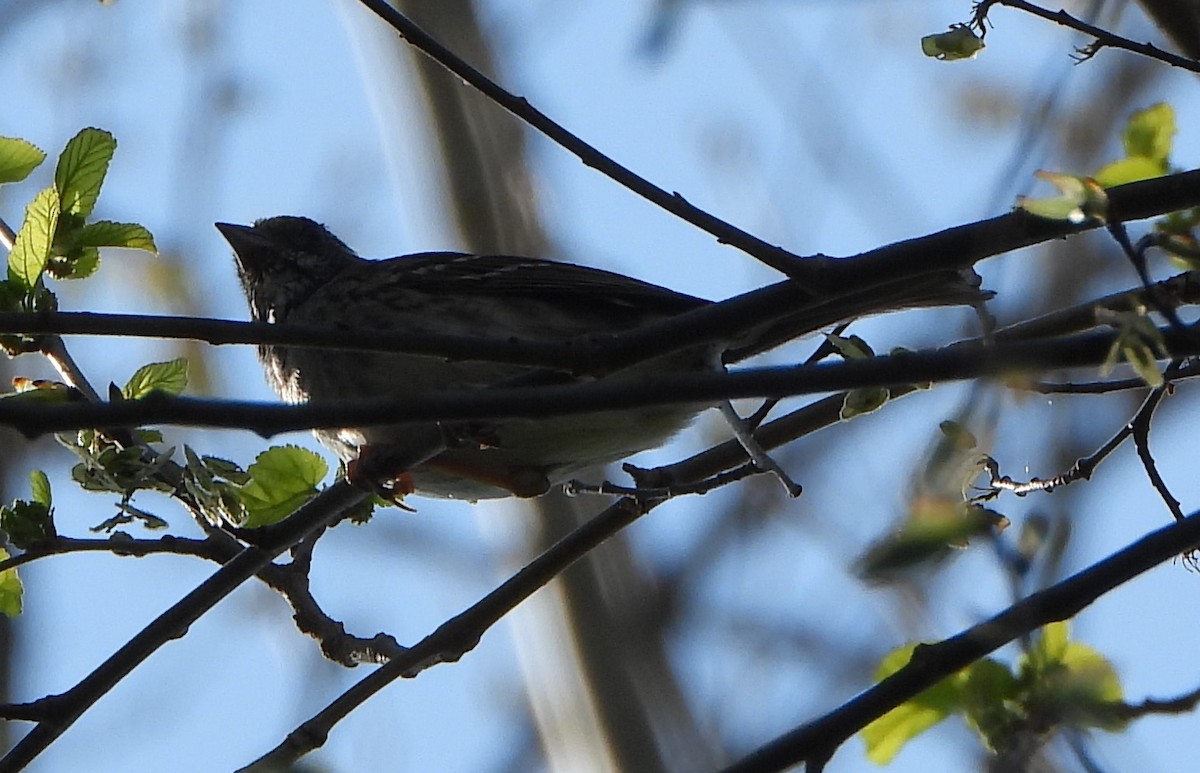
294,270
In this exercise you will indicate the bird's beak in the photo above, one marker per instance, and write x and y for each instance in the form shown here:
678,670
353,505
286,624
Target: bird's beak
243,238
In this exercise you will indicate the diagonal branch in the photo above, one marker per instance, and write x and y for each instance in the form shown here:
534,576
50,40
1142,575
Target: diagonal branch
772,255
459,634
816,741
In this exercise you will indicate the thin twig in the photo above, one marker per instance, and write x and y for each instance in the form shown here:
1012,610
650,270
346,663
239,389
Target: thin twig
1104,38
645,494
1140,427
772,255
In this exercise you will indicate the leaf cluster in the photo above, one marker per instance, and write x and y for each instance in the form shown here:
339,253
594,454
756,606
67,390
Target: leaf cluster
1056,683
56,239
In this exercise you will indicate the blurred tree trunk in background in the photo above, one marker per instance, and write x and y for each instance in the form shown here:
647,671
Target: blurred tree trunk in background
621,707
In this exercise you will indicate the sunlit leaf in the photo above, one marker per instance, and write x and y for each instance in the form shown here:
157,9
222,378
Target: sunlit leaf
282,478
17,159
81,170
39,485
1130,170
1081,199
961,42
11,590
1150,132
106,233
167,377
886,736
32,248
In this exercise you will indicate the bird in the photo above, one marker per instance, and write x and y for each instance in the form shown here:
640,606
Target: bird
294,270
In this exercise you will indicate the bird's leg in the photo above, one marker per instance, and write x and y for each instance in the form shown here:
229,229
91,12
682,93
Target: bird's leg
384,470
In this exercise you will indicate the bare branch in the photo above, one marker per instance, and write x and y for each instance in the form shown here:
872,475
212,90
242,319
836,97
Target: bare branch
1104,38
1140,428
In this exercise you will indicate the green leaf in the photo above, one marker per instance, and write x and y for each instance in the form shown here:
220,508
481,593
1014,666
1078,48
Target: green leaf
282,479
886,736
223,468
1140,354
39,484
990,692
26,523
32,248
850,347
865,400
81,266
1150,132
106,233
1080,199
168,377
11,589
81,170
18,158
961,42
1075,679
148,436
932,529
1139,342
1130,170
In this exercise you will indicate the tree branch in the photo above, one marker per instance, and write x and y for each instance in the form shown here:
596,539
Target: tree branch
817,740
957,362
456,636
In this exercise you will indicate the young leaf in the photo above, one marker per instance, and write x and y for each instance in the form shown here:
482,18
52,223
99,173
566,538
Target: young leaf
932,529
961,42
39,484
865,400
1140,354
106,233
1076,679
1129,170
26,523
17,159
850,347
886,736
32,248
81,170
1080,199
169,377
281,479
1149,133
990,693
11,590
